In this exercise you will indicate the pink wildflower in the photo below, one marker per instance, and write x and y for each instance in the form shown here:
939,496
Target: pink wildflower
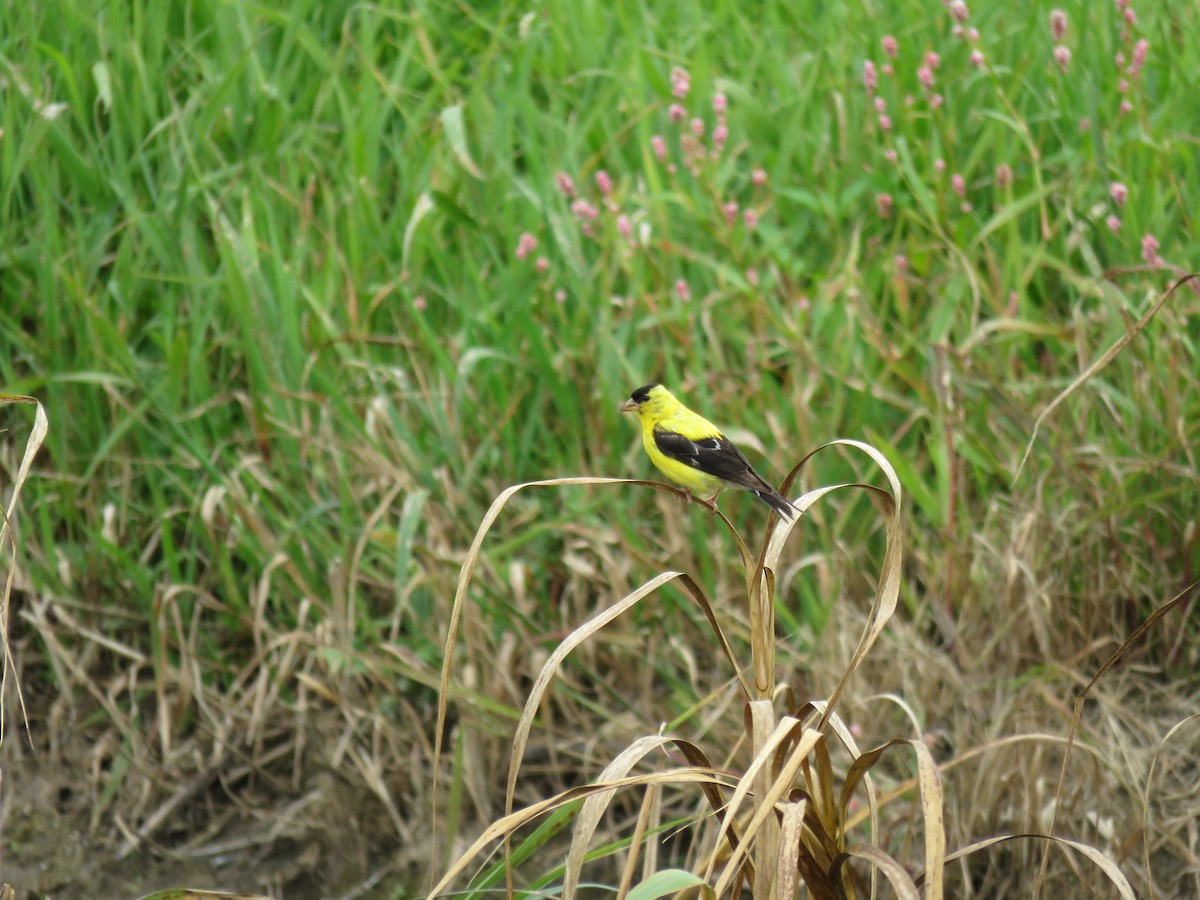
1085,124
566,186
880,105
750,218
1058,24
1119,193
891,156
885,122
730,209
1150,250
542,264
683,290
720,103
420,303
1062,56
659,146
1125,108
1130,17
870,77
925,76
890,47
584,211
973,35
933,60
1003,176
959,10
1138,60
758,177
883,205
1122,86
959,184
720,136
676,112
624,226
752,277
681,82
977,58
1113,223
604,182
939,166
1119,59
900,262
560,296
936,100
526,244
697,127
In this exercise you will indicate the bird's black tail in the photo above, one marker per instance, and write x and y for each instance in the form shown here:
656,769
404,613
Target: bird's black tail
776,501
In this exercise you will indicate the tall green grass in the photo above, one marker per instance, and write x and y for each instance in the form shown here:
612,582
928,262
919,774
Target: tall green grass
259,265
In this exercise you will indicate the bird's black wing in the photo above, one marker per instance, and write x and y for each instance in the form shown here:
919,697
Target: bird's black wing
718,455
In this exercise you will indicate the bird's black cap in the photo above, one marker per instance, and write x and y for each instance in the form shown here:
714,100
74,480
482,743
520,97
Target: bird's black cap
642,394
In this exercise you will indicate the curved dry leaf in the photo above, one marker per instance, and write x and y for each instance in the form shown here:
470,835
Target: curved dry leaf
765,805
505,826
595,806
1105,864
1146,794
895,873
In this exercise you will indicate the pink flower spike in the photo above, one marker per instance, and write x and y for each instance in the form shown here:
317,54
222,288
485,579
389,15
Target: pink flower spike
526,244
624,226
958,31
973,35
936,100
977,58
900,262
420,303
1058,24
959,10
891,156
890,47
870,76
1150,250
758,177
752,277
1130,17
1122,86
1119,59
542,264
1085,124
720,136
560,296
683,290
604,182
681,82
730,209
1119,193
939,166
885,122
698,127
883,205
1140,49
566,186
1125,108
676,112
959,184
720,103
584,211
1062,56
932,60
750,218
880,105
1004,176
887,69
659,146
925,76
1113,223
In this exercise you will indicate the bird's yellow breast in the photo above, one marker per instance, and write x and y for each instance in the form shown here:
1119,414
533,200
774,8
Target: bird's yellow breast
699,483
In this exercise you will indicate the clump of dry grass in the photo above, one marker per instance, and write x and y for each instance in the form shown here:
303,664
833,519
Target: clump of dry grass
789,792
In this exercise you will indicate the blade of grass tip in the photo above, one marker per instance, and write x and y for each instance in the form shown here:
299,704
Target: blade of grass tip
895,873
456,611
1076,715
33,443
508,824
1105,358
1146,797
1105,864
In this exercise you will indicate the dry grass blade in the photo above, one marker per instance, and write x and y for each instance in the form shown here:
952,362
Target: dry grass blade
765,805
595,806
1105,358
1137,634
33,443
791,830
504,827
1103,862
1146,793
460,595
892,870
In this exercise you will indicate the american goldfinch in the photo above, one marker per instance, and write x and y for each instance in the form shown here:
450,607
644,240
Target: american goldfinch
692,452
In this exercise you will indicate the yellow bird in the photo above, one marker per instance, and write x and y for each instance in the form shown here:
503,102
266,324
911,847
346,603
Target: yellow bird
692,452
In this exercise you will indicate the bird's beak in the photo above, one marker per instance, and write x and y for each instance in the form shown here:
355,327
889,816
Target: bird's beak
628,406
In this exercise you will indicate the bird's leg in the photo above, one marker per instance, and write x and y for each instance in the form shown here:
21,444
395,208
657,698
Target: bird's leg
710,504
